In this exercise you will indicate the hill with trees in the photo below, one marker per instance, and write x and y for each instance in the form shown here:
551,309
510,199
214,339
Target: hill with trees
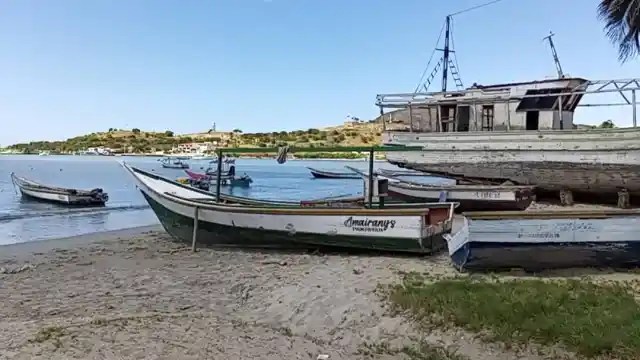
356,133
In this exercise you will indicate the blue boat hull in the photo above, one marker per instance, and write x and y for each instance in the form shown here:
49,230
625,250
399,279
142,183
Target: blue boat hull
487,256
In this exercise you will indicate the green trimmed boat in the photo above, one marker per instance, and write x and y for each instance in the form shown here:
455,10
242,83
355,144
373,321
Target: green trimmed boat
267,224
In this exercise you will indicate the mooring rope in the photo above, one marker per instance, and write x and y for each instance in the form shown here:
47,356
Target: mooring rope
283,151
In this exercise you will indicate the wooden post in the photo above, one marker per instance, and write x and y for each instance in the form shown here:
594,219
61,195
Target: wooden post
508,115
633,106
371,153
410,118
624,201
219,175
475,116
560,112
195,229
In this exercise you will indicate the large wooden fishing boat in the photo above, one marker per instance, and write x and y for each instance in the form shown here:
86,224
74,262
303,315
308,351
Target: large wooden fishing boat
524,132
54,194
506,132
538,240
233,225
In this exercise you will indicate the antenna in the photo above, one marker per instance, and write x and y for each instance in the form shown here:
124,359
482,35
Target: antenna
445,61
445,57
555,54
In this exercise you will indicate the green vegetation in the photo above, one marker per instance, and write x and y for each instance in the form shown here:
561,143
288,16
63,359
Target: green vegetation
622,25
138,141
589,319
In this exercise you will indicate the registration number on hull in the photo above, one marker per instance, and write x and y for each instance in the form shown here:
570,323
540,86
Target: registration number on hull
487,194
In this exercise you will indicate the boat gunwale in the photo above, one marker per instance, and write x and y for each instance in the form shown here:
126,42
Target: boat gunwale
414,185
303,211
550,214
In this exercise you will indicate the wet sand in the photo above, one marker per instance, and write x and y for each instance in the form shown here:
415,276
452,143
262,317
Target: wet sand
136,294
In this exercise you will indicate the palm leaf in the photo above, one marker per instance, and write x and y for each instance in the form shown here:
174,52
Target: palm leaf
622,25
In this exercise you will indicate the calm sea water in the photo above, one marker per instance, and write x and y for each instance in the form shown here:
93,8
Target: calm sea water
24,220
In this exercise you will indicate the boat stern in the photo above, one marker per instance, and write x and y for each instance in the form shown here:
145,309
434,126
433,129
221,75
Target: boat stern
437,222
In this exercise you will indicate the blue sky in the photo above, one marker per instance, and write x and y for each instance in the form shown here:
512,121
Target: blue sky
70,67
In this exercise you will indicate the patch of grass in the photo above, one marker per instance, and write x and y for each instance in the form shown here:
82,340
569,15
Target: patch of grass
50,333
586,318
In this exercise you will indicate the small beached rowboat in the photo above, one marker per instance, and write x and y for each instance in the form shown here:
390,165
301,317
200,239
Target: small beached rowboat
539,240
34,190
470,197
232,225
322,174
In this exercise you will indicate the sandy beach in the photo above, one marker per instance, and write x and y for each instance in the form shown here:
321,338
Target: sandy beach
136,294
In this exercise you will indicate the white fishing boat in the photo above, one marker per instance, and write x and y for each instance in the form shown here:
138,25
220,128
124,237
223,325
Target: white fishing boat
170,162
539,240
418,230
37,191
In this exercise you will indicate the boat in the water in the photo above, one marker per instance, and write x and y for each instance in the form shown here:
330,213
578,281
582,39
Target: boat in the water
225,160
228,178
65,196
539,240
470,197
323,174
174,163
417,230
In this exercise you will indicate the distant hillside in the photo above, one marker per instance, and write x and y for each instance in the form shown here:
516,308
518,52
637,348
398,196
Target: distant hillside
355,133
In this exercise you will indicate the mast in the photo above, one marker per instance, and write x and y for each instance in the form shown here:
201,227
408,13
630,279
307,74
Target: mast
555,55
445,57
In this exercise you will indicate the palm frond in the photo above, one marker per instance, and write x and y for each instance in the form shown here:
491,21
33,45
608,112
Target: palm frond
622,25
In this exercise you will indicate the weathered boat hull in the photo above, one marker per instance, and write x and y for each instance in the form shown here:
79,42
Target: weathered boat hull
72,197
538,241
215,235
322,174
599,162
237,226
174,166
470,197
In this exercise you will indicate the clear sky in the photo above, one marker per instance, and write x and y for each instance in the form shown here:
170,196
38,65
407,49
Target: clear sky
71,67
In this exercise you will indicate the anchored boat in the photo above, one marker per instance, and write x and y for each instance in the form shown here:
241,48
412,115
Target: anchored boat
539,240
37,191
232,225
323,174
174,163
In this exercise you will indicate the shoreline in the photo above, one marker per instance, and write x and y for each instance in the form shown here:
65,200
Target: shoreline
136,293
27,249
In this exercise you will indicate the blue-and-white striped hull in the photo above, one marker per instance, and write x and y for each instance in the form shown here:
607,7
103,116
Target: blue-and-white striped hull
537,243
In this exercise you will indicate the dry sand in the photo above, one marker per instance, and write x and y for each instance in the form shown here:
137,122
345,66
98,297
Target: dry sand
135,294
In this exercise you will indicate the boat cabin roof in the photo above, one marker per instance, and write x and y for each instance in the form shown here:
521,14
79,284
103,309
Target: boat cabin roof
538,94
